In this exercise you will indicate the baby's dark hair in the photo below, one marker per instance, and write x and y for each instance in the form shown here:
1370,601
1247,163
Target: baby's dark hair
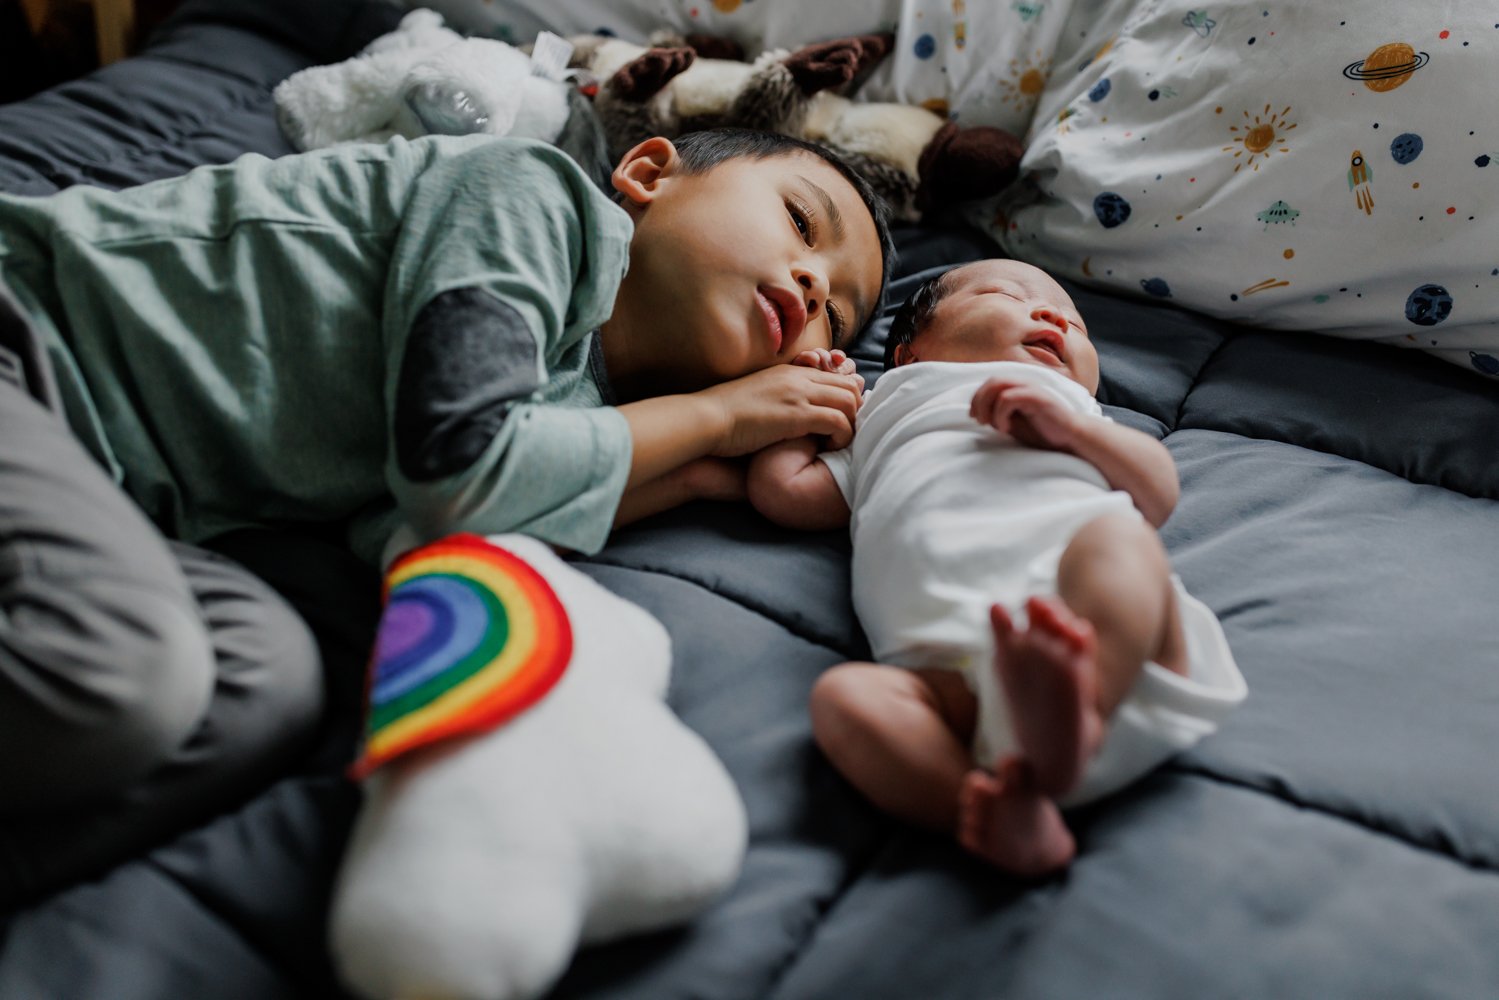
702,151
915,314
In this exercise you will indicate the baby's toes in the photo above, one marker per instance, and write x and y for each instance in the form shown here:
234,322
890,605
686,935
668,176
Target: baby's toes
1053,618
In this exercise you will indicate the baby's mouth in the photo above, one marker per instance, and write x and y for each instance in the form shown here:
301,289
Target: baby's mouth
1046,346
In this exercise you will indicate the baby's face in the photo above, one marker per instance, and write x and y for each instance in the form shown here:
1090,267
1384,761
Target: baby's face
1003,310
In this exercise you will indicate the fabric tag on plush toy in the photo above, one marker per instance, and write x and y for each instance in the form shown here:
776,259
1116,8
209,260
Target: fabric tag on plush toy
549,56
470,637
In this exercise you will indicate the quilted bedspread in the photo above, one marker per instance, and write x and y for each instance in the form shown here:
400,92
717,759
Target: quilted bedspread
1339,836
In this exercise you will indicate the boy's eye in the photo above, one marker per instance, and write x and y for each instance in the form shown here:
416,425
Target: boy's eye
836,323
802,219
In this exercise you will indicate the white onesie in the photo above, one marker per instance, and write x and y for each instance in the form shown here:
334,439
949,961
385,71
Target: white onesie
950,516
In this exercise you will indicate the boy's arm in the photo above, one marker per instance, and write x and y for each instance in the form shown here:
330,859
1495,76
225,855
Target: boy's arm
1129,460
720,479
739,417
677,439
791,486
567,475
505,259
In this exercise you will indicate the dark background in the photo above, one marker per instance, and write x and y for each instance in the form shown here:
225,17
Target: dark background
61,48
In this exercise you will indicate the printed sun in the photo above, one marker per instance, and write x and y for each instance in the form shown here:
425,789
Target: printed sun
1027,80
1259,136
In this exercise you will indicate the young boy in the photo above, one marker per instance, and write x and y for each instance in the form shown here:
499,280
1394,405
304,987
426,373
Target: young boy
441,334
1007,569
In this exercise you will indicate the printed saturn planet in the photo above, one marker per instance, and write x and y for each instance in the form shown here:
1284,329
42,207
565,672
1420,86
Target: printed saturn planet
1387,67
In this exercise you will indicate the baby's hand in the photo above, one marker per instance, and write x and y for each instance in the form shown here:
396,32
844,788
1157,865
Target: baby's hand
786,401
1028,413
825,360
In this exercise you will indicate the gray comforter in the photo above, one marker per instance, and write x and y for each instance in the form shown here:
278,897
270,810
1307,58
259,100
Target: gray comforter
1338,838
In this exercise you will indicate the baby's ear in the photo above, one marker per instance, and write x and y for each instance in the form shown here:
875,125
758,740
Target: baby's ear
640,171
904,355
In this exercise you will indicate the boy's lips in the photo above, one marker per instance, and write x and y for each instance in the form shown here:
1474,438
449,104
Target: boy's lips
1047,345
784,314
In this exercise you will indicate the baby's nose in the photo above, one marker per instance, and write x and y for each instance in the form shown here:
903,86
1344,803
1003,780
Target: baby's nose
1048,315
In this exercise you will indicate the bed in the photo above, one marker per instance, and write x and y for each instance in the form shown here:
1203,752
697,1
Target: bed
1338,837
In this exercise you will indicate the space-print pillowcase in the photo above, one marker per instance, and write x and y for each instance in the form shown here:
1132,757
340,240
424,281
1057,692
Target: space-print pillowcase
1326,167
979,62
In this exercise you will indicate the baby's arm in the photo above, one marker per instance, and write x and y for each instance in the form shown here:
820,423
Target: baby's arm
792,487
787,482
1129,460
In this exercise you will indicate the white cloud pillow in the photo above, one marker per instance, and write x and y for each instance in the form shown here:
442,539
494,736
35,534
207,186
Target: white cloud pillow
1327,167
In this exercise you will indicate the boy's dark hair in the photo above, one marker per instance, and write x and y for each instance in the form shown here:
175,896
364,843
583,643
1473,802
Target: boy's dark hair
915,313
702,151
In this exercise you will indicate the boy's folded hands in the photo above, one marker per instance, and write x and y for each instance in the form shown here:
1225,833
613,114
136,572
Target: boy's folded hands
786,401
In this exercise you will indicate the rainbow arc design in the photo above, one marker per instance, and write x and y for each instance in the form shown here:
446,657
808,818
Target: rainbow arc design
471,636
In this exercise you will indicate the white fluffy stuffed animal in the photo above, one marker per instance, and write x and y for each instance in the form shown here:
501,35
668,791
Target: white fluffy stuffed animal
420,79
483,857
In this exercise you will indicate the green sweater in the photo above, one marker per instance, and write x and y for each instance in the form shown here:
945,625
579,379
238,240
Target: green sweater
239,346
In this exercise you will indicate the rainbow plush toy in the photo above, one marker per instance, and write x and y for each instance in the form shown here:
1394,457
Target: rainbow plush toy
471,637
527,790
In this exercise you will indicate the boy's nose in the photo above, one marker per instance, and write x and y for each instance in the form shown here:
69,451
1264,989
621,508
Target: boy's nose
1046,314
813,289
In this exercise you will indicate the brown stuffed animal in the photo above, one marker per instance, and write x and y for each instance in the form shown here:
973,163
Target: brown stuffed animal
917,160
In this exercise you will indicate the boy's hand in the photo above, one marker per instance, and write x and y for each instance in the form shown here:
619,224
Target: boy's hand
827,361
1029,414
782,402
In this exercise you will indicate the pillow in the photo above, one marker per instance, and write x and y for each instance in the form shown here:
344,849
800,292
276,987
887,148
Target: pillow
1309,167
980,63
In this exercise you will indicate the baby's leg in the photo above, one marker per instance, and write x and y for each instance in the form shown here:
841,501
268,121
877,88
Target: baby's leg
1064,675
900,736
1115,575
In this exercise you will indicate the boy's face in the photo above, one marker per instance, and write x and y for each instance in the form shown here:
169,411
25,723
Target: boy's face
1003,310
742,266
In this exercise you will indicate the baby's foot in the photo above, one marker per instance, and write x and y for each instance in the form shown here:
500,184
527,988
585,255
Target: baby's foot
1003,819
1048,676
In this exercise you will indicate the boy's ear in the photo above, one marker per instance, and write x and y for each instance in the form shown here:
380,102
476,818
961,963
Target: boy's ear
641,169
904,355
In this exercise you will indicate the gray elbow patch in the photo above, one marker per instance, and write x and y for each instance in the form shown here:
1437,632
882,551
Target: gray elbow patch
469,358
